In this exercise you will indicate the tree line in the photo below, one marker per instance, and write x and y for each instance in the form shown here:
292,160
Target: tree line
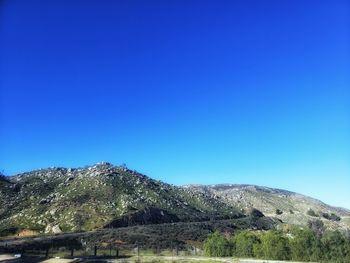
311,243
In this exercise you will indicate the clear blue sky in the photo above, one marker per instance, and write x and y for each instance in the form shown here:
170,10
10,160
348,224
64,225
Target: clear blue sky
183,91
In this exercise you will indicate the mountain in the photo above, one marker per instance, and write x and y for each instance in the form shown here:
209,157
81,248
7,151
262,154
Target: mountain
289,207
82,199
56,200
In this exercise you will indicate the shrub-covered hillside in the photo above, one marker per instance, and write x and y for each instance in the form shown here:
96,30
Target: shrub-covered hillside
58,200
290,207
62,200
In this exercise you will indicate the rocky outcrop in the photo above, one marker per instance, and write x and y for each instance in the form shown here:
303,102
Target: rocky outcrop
53,229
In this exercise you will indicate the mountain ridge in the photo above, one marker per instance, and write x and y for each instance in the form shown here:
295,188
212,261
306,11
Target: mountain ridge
72,199
59,199
347,210
288,206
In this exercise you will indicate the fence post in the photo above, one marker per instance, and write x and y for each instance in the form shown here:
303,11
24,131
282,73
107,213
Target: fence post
22,251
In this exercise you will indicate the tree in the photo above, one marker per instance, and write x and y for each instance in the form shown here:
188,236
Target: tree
2,176
347,250
244,243
3,179
301,244
273,246
317,250
216,245
317,227
334,246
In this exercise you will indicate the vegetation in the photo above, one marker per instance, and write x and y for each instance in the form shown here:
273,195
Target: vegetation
296,244
65,200
331,216
311,212
244,244
273,245
130,208
289,207
317,227
279,212
302,245
62,200
216,245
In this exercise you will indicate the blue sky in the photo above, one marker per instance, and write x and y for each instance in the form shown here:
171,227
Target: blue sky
183,91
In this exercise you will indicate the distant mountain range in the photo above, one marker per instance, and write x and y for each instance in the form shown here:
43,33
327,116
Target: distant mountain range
58,200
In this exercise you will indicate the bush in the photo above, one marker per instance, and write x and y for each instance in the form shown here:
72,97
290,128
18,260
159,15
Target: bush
317,227
3,177
279,212
301,244
332,216
216,245
273,246
255,213
334,246
244,244
311,212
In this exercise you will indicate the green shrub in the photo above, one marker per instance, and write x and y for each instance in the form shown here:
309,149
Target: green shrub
332,216
317,226
279,212
273,246
216,245
244,243
334,246
311,212
301,244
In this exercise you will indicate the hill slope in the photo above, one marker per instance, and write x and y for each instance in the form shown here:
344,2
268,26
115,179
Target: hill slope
290,207
60,199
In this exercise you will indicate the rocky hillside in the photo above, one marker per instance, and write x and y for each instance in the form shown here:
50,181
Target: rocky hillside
62,200
101,196
290,207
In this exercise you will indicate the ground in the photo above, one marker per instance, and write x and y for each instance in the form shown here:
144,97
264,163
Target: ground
145,259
